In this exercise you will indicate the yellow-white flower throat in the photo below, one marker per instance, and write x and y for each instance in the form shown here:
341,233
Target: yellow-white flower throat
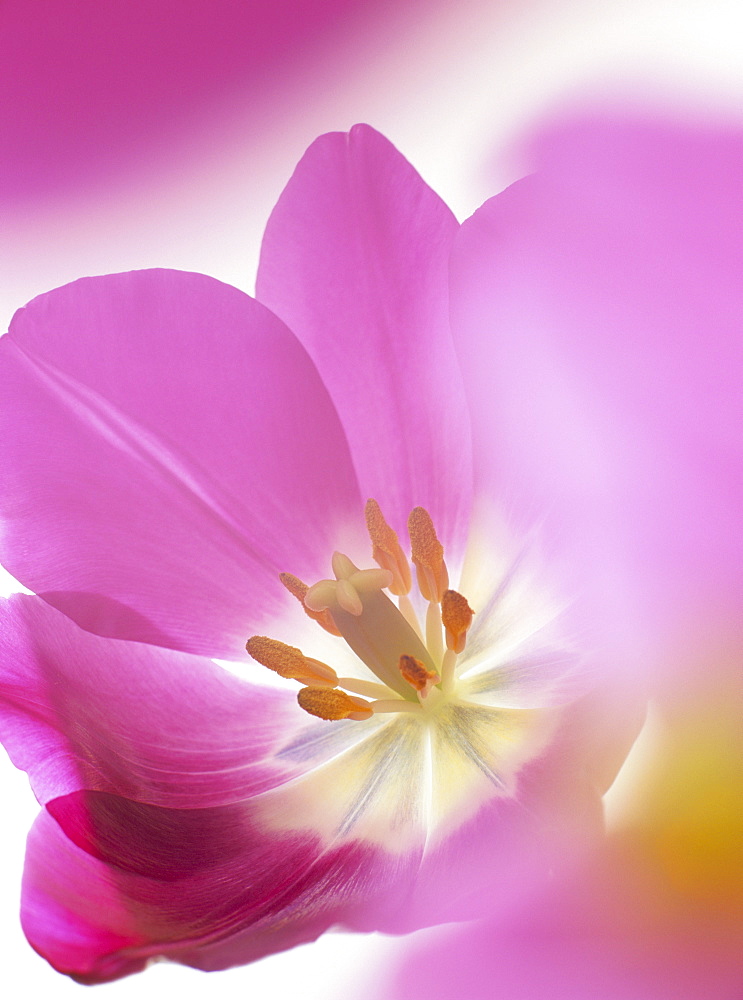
446,705
415,663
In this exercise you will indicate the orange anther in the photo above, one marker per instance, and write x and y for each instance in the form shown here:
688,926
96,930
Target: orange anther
288,661
428,555
298,589
417,674
456,615
386,550
332,704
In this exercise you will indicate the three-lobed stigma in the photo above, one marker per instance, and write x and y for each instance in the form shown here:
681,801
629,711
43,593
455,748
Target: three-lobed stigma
413,663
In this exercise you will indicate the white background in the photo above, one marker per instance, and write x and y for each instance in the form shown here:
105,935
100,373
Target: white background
453,91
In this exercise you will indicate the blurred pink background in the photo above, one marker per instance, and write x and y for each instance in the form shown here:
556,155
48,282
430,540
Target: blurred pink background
160,133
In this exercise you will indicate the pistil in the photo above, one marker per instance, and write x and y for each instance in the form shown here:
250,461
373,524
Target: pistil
380,636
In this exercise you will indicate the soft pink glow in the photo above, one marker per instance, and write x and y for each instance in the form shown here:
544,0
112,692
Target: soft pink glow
94,90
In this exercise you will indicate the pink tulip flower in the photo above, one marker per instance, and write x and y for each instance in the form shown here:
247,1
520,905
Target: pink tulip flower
187,468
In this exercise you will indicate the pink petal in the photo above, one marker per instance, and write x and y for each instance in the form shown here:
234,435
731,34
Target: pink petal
178,832
597,314
168,448
354,260
113,881
110,883
62,918
175,881
78,711
155,767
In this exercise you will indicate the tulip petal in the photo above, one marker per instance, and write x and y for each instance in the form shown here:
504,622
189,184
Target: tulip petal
596,310
78,711
157,768
110,883
167,449
355,261
207,887
61,916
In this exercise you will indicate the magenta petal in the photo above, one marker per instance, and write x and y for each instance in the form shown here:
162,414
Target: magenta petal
167,448
78,711
110,883
597,311
62,918
355,261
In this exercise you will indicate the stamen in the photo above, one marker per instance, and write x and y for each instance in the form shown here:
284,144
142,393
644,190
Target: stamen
290,662
417,674
428,555
434,640
369,689
456,615
331,704
386,549
298,589
448,669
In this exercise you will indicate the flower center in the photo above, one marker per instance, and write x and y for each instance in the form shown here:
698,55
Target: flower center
414,663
